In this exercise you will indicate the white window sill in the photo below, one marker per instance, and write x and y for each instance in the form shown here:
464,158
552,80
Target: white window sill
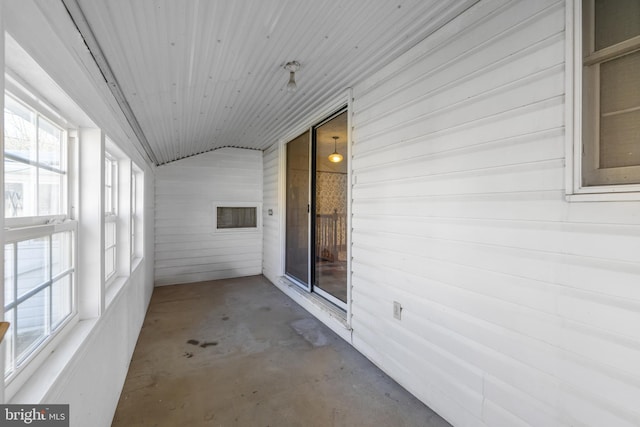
135,263
116,285
237,230
603,197
36,388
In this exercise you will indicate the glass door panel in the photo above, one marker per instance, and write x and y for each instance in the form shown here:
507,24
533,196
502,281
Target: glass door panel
330,209
297,215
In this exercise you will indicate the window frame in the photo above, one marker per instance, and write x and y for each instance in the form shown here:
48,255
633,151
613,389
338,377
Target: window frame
137,212
577,138
20,229
111,213
40,109
51,338
133,213
255,205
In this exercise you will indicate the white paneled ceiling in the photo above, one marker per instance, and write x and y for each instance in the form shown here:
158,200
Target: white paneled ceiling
203,74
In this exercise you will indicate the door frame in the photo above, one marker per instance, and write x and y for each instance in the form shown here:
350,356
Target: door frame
312,217
311,121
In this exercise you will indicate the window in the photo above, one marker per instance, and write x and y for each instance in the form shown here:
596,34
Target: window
110,215
133,214
34,162
39,285
236,216
39,275
137,210
608,139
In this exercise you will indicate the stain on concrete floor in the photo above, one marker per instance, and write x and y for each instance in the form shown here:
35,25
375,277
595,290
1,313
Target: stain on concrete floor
311,330
272,364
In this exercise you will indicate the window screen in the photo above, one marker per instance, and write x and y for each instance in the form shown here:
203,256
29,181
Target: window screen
611,93
236,217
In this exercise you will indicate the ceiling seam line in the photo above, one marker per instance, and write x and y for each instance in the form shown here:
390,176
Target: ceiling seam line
82,25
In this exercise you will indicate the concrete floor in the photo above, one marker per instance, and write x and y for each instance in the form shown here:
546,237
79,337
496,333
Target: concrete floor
240,353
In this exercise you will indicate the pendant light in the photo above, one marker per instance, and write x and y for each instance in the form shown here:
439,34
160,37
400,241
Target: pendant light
335,157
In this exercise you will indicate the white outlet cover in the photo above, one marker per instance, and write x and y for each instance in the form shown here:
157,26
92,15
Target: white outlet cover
397,310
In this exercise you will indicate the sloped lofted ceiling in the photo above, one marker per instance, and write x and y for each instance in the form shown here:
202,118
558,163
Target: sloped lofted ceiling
197,75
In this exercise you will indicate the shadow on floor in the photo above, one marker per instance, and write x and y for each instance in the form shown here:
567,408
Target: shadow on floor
238,352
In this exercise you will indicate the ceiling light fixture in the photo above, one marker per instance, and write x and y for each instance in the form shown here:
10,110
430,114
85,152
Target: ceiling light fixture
292,67
335,157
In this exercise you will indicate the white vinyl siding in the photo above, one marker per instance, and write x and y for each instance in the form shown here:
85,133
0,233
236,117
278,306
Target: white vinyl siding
188,248
271,223
518,307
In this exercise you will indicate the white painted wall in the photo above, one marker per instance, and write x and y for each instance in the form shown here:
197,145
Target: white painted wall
88,368
271,223
2,346
188,249
92,382
519,308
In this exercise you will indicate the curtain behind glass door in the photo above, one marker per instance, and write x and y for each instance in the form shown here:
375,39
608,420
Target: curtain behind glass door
297,215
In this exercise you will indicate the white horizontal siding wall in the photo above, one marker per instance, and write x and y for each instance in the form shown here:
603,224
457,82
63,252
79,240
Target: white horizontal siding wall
105,361
187,247
519,308
271,223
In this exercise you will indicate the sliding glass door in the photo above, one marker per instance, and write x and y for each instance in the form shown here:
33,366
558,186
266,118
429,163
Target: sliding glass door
316,213
330,208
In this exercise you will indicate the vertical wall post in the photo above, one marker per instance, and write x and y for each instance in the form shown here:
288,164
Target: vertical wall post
124,218
91,224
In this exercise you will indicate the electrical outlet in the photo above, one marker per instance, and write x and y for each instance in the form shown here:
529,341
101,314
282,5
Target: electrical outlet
397,310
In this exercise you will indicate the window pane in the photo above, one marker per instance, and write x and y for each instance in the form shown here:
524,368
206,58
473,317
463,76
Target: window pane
615,21
108,198
109,262
620,84
9,273
620,140
31,323
49,144
33,263
49,202
133,236
19,189
133,194
110,182
19,130
61,252
8,342
330,219
107,172
29,189
109,234
60,300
